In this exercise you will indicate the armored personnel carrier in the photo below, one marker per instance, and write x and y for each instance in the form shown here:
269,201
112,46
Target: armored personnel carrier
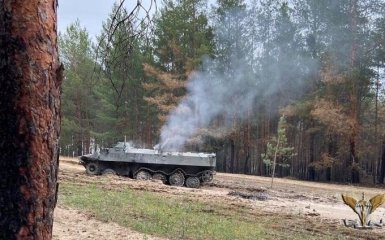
174,168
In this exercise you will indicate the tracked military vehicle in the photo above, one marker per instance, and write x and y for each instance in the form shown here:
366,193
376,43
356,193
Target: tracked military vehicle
173,168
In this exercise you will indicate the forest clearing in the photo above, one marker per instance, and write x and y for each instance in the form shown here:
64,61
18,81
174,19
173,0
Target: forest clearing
287,89
291,210
293,89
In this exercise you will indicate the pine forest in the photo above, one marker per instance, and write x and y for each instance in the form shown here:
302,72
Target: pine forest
290,88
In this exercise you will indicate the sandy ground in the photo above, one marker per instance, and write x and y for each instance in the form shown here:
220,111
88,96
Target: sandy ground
299,197
71,224
316,201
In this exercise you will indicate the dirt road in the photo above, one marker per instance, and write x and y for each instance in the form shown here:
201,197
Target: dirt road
317,201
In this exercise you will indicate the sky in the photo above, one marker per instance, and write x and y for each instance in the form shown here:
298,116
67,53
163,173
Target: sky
91,13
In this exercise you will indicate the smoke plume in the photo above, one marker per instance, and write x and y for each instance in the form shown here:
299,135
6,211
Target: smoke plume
233,84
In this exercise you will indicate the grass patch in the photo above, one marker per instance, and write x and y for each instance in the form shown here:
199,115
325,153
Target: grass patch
178,217
172,217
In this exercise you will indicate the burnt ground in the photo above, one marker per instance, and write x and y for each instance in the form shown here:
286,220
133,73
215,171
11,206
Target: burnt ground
316,202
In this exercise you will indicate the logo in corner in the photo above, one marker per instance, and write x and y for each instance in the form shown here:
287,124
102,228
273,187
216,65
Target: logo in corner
364,209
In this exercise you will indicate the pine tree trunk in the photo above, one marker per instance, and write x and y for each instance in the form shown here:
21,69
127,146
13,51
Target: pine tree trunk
274,162
232,155
246,168
354,101
311,170
30,79
382,167
376,142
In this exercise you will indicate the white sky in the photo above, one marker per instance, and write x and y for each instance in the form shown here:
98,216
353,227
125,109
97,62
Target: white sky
91,13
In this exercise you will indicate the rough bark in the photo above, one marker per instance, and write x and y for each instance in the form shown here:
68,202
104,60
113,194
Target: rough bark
30,79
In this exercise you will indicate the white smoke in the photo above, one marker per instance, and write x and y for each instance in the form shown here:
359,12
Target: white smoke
209,94
227,88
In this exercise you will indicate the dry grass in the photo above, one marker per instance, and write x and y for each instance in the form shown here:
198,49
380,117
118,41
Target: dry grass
209,212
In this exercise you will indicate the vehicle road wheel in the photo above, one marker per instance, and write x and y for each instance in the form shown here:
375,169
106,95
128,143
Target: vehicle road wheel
143,175
160,176
207,176
92,168
193,182
109,171
176,179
